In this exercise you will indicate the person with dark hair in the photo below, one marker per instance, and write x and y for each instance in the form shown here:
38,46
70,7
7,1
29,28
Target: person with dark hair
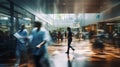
114,38
21,48
117,42
98,44
54,36
59,36
39,39
69,40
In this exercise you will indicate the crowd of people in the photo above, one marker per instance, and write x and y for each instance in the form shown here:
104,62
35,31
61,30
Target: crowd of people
58,36
39,38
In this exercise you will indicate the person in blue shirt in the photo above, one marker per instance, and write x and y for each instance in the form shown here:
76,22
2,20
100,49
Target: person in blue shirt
39,36
69,35
21,36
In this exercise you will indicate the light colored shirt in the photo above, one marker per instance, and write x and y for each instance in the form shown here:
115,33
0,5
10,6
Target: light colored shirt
21,41
36,38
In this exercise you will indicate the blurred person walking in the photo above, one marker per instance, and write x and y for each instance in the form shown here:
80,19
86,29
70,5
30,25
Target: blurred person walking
115,38
21,49
69,40
39,39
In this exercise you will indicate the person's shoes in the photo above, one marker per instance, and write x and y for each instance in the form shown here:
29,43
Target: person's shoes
67,52
73,49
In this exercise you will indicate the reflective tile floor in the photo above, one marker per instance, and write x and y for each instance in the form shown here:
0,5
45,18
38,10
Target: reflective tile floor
83,56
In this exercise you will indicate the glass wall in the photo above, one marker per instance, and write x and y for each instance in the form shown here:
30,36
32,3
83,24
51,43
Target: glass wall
4,22
11,17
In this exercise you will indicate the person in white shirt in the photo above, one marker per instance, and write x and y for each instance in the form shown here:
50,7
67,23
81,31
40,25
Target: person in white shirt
39,39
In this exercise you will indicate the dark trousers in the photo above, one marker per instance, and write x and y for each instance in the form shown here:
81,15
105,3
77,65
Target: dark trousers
40,61
69,45
37,60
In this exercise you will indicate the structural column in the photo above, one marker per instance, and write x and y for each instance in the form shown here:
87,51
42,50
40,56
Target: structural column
11,17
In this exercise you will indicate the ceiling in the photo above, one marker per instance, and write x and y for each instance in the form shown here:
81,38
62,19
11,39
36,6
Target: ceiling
65,6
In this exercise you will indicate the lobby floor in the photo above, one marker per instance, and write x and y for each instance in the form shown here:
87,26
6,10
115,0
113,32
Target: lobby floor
83,56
